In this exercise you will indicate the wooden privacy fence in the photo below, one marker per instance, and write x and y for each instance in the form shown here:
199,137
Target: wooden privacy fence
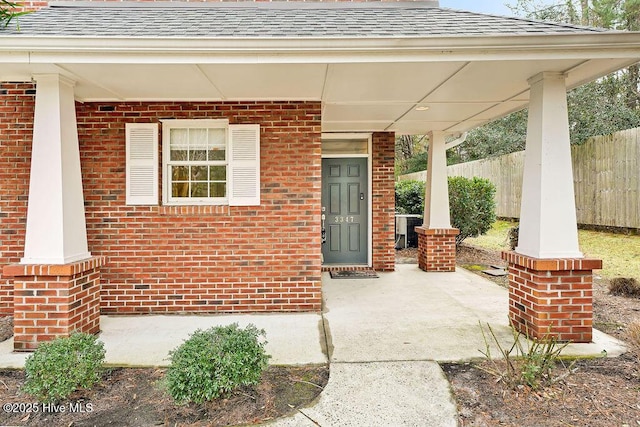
606,173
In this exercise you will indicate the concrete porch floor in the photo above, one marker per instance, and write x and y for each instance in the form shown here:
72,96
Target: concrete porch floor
403,315
382,336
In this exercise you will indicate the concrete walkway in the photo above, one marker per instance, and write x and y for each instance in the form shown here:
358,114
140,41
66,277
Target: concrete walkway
387,336
382,336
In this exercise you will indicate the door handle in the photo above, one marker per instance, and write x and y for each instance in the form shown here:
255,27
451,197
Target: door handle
361,196
323,230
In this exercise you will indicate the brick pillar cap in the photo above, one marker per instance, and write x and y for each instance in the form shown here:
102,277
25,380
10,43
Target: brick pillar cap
437,231
71,269
551,264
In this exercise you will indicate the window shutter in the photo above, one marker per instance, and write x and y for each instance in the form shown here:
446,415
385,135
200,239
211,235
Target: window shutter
244,165
142,163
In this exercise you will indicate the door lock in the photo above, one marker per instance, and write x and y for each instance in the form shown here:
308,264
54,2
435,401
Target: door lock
324,231
361,196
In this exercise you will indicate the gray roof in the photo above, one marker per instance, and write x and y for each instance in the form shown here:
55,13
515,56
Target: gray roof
271,20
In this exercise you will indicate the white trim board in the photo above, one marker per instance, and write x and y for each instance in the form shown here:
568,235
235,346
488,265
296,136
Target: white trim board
369,157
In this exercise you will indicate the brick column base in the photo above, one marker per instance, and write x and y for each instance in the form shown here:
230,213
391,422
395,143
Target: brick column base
53,301
551,297
437,248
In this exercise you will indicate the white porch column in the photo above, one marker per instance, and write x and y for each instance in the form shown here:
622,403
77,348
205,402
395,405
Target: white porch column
548,227
436,201
436,238
56,229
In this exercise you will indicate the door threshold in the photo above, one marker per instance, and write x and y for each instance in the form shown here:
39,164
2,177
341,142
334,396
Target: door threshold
342,267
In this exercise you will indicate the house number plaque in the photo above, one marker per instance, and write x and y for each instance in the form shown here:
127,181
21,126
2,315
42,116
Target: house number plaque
344,219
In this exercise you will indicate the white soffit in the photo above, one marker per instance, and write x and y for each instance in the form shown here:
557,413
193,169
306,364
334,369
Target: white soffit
500,110
364,112
447,111
495,80
407,127
399,82
349,126
584,72
463,127
268,81
146,81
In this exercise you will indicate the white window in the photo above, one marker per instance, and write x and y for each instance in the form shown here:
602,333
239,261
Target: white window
195,161
206,162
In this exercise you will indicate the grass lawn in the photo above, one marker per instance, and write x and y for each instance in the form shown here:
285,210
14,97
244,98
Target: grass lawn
620,253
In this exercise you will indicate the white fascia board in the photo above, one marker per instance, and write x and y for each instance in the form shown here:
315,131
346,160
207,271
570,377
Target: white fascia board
293,57
612,45
12,57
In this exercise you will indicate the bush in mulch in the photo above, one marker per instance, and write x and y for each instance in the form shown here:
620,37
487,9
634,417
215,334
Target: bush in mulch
216,361
59,367
623,286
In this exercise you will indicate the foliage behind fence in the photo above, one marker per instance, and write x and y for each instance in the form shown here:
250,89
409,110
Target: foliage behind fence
606,171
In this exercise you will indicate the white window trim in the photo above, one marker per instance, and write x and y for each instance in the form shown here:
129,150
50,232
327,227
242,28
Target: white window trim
167,125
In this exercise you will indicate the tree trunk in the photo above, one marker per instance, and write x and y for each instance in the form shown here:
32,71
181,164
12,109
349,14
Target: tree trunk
586,18
632,95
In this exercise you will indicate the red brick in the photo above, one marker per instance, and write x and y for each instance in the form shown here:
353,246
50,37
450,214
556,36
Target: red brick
47,320
557,302
383,190
192,251
437,249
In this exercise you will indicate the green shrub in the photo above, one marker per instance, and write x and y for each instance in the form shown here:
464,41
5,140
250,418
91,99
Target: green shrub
216,361
410,197
471,203
472,206
58,368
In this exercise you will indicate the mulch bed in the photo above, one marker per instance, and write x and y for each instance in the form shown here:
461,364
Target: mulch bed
598,393
137,397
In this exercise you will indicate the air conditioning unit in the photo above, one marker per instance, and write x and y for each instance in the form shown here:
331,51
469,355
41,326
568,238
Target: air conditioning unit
406,236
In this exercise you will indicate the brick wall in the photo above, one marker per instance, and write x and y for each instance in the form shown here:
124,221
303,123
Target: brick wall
384,204
211,258
551,296
17,101
54,300
437,249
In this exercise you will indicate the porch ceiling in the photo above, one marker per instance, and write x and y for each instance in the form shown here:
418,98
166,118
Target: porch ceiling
364,96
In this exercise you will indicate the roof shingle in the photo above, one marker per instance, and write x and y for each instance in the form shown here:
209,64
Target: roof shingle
273,20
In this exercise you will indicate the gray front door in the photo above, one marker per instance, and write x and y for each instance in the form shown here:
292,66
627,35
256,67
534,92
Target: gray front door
345,211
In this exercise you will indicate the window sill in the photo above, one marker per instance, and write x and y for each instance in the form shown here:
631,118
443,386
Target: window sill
197,202
193,209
